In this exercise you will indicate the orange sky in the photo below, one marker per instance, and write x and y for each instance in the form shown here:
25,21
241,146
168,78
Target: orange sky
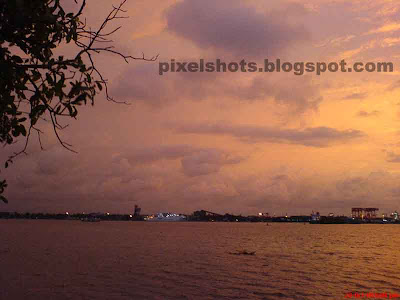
239,143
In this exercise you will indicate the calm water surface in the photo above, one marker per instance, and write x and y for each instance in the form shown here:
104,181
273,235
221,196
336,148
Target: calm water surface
138,260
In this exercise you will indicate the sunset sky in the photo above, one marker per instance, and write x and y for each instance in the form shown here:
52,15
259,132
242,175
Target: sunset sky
229,142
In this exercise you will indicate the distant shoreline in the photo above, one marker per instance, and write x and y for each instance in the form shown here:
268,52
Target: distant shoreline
193,218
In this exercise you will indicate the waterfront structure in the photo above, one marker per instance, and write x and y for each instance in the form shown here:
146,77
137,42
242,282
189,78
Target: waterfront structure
364,213
263,215
137,211
315,217
166,217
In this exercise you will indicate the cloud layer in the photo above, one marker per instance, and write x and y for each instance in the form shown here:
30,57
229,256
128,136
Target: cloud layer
287,143
314,137
233,27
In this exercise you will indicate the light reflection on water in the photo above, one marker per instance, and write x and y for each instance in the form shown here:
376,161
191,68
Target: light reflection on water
138,260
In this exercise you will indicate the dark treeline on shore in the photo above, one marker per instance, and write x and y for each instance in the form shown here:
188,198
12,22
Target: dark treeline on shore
199,216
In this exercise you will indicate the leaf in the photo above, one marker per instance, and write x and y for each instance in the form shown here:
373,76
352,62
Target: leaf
2,198
22,130
15,132
36,76
36,112
99,85
74,113
49,79
17,59
80,98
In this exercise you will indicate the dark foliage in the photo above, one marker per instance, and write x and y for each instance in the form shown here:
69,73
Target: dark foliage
35,84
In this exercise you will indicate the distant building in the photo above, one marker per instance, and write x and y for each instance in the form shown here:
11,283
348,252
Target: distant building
315,216
364,213
137,211
204,215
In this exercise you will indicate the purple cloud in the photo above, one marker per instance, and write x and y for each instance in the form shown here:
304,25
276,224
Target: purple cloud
393,157
366,114
143,84
355,96
206,162
235,28
313,137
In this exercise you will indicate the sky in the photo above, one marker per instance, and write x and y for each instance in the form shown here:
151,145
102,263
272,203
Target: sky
239,142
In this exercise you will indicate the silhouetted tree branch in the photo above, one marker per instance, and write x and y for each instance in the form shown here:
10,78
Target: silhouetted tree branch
35,85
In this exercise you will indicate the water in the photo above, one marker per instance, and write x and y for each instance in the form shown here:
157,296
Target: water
138,260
